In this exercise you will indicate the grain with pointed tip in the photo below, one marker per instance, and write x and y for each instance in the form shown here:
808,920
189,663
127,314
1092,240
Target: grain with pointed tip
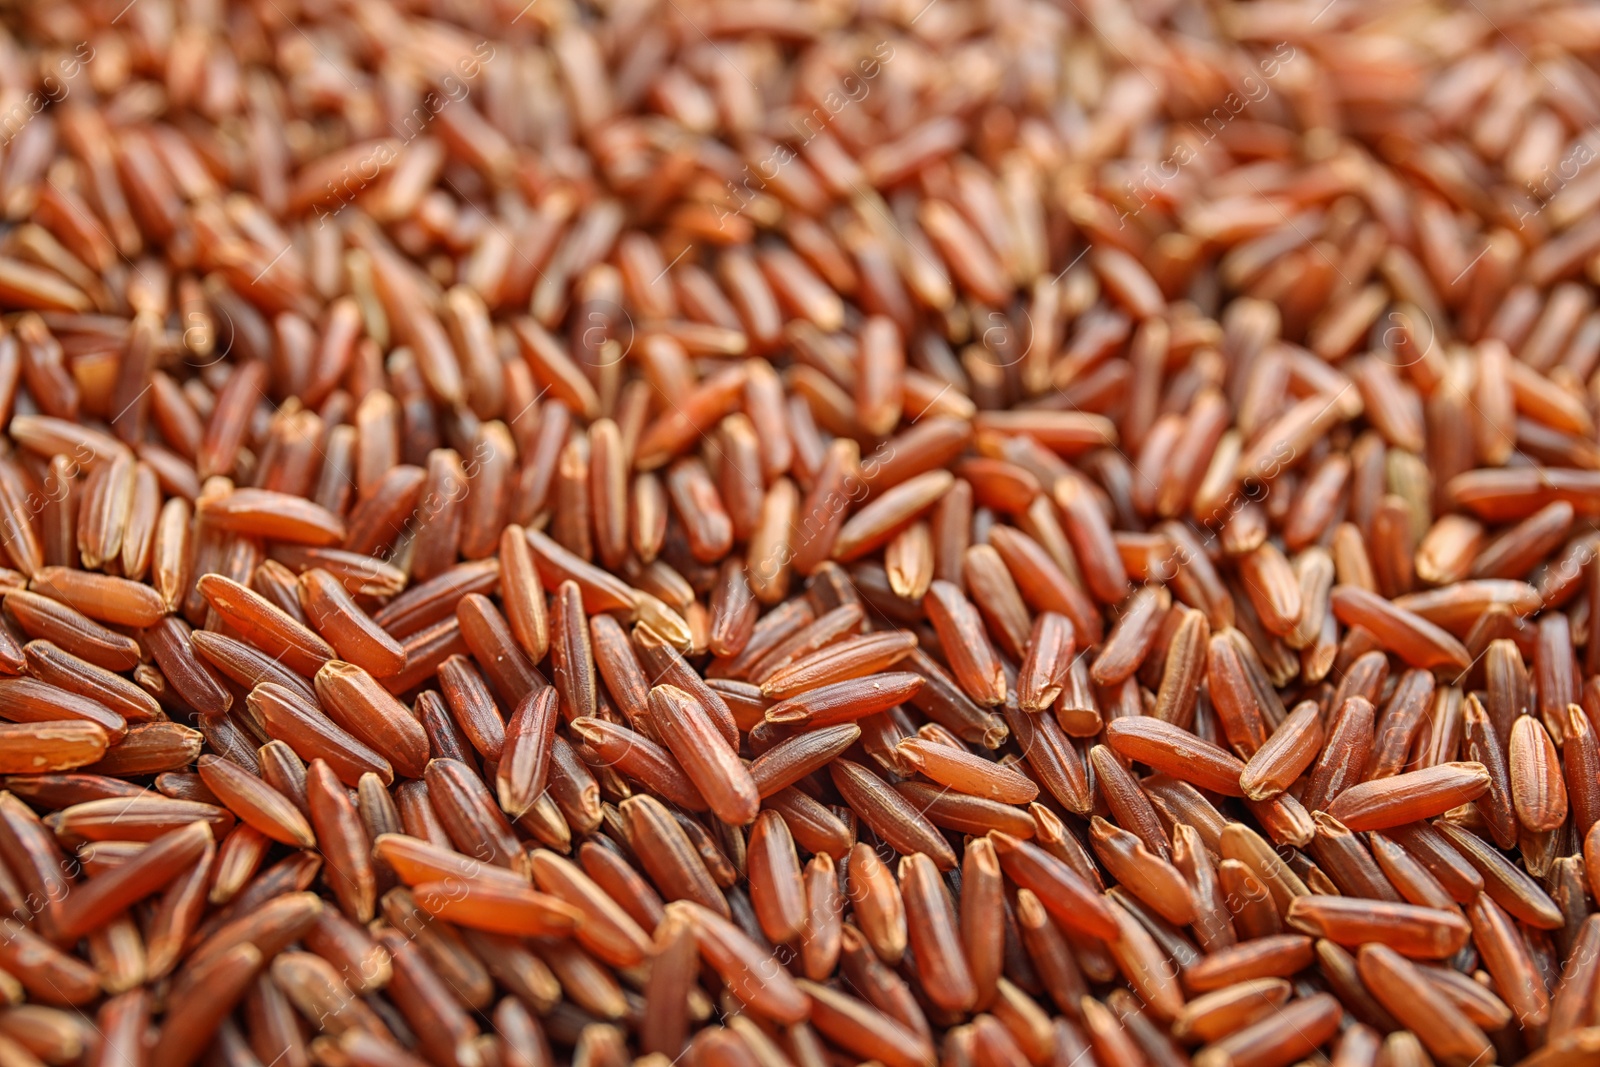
1173,750
966,644
1409,797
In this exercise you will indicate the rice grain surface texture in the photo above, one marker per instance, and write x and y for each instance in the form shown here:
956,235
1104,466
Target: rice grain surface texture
795,533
